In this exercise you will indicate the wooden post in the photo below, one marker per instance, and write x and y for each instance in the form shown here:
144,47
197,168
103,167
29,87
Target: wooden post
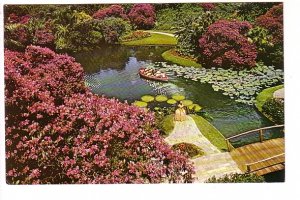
248,168
261,135
228,145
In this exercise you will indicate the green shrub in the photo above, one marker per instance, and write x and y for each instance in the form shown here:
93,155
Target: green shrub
237,178
190,29
274,108
191,150
113,29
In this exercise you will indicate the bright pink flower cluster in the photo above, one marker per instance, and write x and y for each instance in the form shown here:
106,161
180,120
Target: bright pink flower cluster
207,6
273,22
111,11
57,131
142,15
224,45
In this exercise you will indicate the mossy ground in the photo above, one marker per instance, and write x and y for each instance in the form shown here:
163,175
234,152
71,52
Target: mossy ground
210,132
170,56
264,95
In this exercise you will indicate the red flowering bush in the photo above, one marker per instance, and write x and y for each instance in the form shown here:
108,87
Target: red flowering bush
57,131
43,37
224,45
13,18
142,15
207,6
111,11
273,22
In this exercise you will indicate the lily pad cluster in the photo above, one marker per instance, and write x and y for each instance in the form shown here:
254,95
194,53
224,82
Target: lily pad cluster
241,85
146,99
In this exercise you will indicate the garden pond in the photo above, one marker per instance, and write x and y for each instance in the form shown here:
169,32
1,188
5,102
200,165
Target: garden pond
112,71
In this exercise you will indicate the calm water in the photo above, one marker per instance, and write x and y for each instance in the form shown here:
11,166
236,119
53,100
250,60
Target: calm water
113,71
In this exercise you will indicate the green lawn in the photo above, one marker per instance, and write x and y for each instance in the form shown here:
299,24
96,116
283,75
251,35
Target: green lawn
264,95
169,56
168,124
210,132
155,39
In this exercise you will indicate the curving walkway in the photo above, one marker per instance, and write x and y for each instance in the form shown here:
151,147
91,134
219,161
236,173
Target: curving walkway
162,33
213,163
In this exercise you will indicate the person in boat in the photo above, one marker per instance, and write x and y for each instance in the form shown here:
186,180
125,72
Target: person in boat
180,113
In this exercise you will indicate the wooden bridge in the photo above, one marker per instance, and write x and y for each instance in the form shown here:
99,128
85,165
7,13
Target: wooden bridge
262,157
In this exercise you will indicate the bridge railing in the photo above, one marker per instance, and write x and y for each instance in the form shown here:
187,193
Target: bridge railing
273,158
260,132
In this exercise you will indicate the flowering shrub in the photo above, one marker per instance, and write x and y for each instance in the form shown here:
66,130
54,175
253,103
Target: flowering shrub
273,22
136,35
142,15
57,131
224,45
43,37
111,11
13,18
190,149
207,6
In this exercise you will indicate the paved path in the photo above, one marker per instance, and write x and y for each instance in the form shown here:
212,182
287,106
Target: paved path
214,162
187,131
163,33
279,94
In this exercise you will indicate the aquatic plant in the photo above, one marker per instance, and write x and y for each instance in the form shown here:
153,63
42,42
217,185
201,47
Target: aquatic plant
161,98
171,101
241,85
147,98
187,102
178,97
58,132
195,107
140,104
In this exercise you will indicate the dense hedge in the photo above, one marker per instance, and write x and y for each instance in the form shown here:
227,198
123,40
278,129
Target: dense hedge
57,131
225,45
274,108
237,178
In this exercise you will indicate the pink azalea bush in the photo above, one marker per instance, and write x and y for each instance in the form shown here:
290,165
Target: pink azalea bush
224,44
142,15
57,131
44,37
273,22
111,11
207,6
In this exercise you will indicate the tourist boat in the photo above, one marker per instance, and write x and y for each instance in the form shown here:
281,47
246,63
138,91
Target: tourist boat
143,75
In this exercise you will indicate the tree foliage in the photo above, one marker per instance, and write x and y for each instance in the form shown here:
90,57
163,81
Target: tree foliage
142,16
225,45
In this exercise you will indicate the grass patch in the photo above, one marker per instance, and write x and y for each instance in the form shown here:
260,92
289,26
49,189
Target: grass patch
174,58
168,124
154,39
210,132
264,95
